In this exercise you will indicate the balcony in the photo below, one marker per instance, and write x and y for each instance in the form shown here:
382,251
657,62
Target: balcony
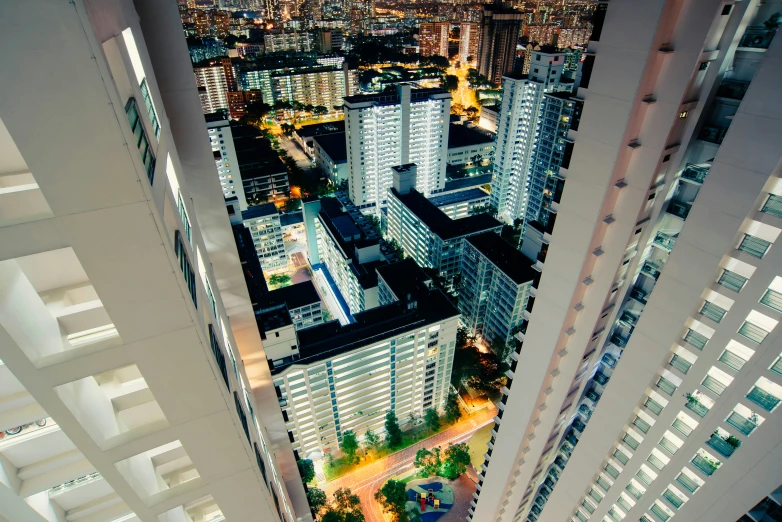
560,462
665,241
757,37
713,134
601,378
695,173
578,425
639,295
695,406
705,464
741,423
619,340
679,209
609,360
629,319
651,269
732,89
724,446
585,410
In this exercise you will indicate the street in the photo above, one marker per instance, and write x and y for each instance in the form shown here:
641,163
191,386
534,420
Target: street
366,480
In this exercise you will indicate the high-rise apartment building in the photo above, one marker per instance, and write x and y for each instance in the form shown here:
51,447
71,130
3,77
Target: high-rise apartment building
214,80
532,138
263,221
501,28
397,357
124,392
469,41
222,142
648,383
433,38
296,42
395,127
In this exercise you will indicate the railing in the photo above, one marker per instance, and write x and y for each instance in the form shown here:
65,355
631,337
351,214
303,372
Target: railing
656,463
732,89
601,378
752,332
757,37
657,510
713,134
741,423
695,339
612,471
710,383
763,399
644,477
679,209
721,446
609,360
732,361
697,408
593,396
666,386
664,240
641,424
681,364
773,300
732,280
634,491
621,456
687,483
682,427
630,441
707,466
695,173
629,318
668,446
618,340
651,269
639,295
673,498
653,406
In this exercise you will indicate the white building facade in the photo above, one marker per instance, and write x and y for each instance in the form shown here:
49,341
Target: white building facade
124,348
653,390
221,139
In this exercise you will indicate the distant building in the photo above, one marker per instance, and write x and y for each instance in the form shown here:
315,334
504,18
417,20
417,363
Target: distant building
263,221
457,205
331,156
433,38
469,41
264,175
424,232
305,134
296,42
500,31
301,301
397,357
545,34
468,146
488,118
403,125
573,37
221,139
495,287
350,249
212,86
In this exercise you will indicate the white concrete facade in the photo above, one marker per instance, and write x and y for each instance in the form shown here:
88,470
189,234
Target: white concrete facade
221,139
653,387
124,347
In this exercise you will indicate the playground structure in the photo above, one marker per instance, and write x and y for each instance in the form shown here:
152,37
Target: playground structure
431,496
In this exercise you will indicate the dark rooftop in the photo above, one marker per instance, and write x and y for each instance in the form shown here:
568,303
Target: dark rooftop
251,265
216,116
272,319
458,197
473,181
405,278
390,96
461,136
328,340
291,218
439,223
508,259
295,296
320,129
334,145
254,212
255,154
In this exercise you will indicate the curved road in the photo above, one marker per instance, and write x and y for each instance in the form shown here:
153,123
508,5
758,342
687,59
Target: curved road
366,480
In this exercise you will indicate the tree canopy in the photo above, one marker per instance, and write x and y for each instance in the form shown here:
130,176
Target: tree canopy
306,470
349,444
393,431
393,497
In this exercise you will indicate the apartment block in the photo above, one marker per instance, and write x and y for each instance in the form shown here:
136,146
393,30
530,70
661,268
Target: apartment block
263,222
468,146
331,156
501,28
395,127
301,302
124,392
495,288
340,380
433,38
469,41
532,138
296,42
426,233
461,203
653,388
221,138
264,175
214,79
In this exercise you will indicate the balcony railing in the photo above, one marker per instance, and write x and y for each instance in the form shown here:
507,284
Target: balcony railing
629,318
713,134
639,295
668,445
696,407
723,446
651,269
732,89
601,378
664,240
696,173
593,396
673,498
757,37
741,423
706,465
682,427
763,399
679,209
618,340
687,483
609,360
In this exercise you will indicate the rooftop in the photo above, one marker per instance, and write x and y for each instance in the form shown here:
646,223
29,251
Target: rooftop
405,278
272,319
334,145
331,339
319,129
461,136
504,256
458,197
291,218
254,153
391,96
294,296
257,211
472,181
439,223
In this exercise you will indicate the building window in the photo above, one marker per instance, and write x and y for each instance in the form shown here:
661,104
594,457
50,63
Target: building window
184,264
754,246
732,280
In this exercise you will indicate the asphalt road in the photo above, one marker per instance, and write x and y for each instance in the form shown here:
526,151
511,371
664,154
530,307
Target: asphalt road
366,480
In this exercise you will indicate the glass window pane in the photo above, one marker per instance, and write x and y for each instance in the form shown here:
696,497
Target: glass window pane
687,483
763,399
681,364
732,280
653,406
754,246
666,386
710,383
752,332
713,312
732,361
773,206
773,300
695,339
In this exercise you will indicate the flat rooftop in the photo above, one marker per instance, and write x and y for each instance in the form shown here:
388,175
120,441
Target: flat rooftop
294,296
509,260
405,278
439,223
391,97
459,197
473,181
320,129
334,145
461,136
257,211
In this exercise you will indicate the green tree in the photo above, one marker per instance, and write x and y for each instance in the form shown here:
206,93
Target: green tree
349,444
319,110
428,461
466,366
306,470
450,82
278,279
414,515
281,105
457,458
432,419
393,497
452,410
472,113
499,348
346,507
256,112
292,204
371,440
316,498
462,337
393,431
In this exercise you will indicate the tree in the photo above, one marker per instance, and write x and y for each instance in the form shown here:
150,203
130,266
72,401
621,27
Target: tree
414,515
466,364
472,113
450,82
371,440
306,470
316,498
432,419
349,444
452,410
393,497
281,105
457,458
346,507
256,112
428,461
282,280
287,128
457,108
462,337
393,431
292,204
319,110
499,348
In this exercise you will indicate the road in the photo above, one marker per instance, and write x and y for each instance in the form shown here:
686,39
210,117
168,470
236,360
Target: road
366,480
